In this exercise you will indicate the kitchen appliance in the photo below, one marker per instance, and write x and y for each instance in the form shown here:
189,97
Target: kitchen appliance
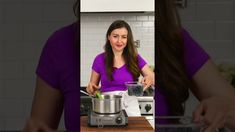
107,111
104,120
146,103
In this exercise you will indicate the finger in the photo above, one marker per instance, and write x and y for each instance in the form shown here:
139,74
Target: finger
95,87
221,120
211,119
210,128
143,80
214,127
218,121
88,89
147,86
198,113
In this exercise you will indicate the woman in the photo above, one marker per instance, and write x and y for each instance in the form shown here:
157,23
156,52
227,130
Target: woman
183,64
57,83
119,63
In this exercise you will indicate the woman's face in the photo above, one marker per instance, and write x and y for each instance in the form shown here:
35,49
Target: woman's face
118,39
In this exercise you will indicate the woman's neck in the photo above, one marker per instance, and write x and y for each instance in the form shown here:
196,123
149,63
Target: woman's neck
117,54
118,59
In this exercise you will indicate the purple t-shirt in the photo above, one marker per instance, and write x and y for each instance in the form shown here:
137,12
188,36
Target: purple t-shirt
195,57
120,75
58,67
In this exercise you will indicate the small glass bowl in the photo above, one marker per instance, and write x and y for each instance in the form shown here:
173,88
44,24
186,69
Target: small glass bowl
135,88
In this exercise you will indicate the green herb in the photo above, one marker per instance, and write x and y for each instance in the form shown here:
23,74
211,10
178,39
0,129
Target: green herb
98,95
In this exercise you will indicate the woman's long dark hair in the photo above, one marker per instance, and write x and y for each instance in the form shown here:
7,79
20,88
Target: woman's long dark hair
129,53
172,76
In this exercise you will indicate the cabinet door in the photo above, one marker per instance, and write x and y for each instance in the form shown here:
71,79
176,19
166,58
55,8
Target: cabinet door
117,5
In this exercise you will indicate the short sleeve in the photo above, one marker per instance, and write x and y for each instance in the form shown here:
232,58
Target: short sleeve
47,68
141,62
98,63
194,56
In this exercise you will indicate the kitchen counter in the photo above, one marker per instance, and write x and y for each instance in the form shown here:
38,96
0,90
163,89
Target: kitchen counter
135,124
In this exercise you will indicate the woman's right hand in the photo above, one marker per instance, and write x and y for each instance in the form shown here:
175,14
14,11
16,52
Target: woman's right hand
91,88
216,111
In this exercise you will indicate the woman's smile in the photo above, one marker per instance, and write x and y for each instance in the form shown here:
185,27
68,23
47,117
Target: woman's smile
119,45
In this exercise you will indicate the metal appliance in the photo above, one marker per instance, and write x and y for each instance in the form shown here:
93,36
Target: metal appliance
146,103
103,120
106,111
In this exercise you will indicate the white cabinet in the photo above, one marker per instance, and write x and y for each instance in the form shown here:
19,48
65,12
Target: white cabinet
117,5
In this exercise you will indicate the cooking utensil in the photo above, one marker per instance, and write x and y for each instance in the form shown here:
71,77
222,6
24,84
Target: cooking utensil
97,95
92,96
108,105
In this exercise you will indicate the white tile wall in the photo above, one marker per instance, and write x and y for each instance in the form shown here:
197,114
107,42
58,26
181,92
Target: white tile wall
225,30
212,24
93,31
221,10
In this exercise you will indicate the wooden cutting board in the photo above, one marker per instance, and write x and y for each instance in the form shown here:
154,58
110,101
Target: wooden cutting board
135,124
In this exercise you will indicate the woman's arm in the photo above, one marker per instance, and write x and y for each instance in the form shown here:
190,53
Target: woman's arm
148,75
93,85
209,83
47,108
216,96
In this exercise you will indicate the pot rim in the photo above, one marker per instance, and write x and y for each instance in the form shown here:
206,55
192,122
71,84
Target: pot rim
108,97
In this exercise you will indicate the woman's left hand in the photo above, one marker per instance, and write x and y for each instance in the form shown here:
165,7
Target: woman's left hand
214,112
147,81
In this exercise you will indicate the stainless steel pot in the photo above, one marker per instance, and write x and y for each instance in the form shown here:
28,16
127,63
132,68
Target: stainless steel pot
108,105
